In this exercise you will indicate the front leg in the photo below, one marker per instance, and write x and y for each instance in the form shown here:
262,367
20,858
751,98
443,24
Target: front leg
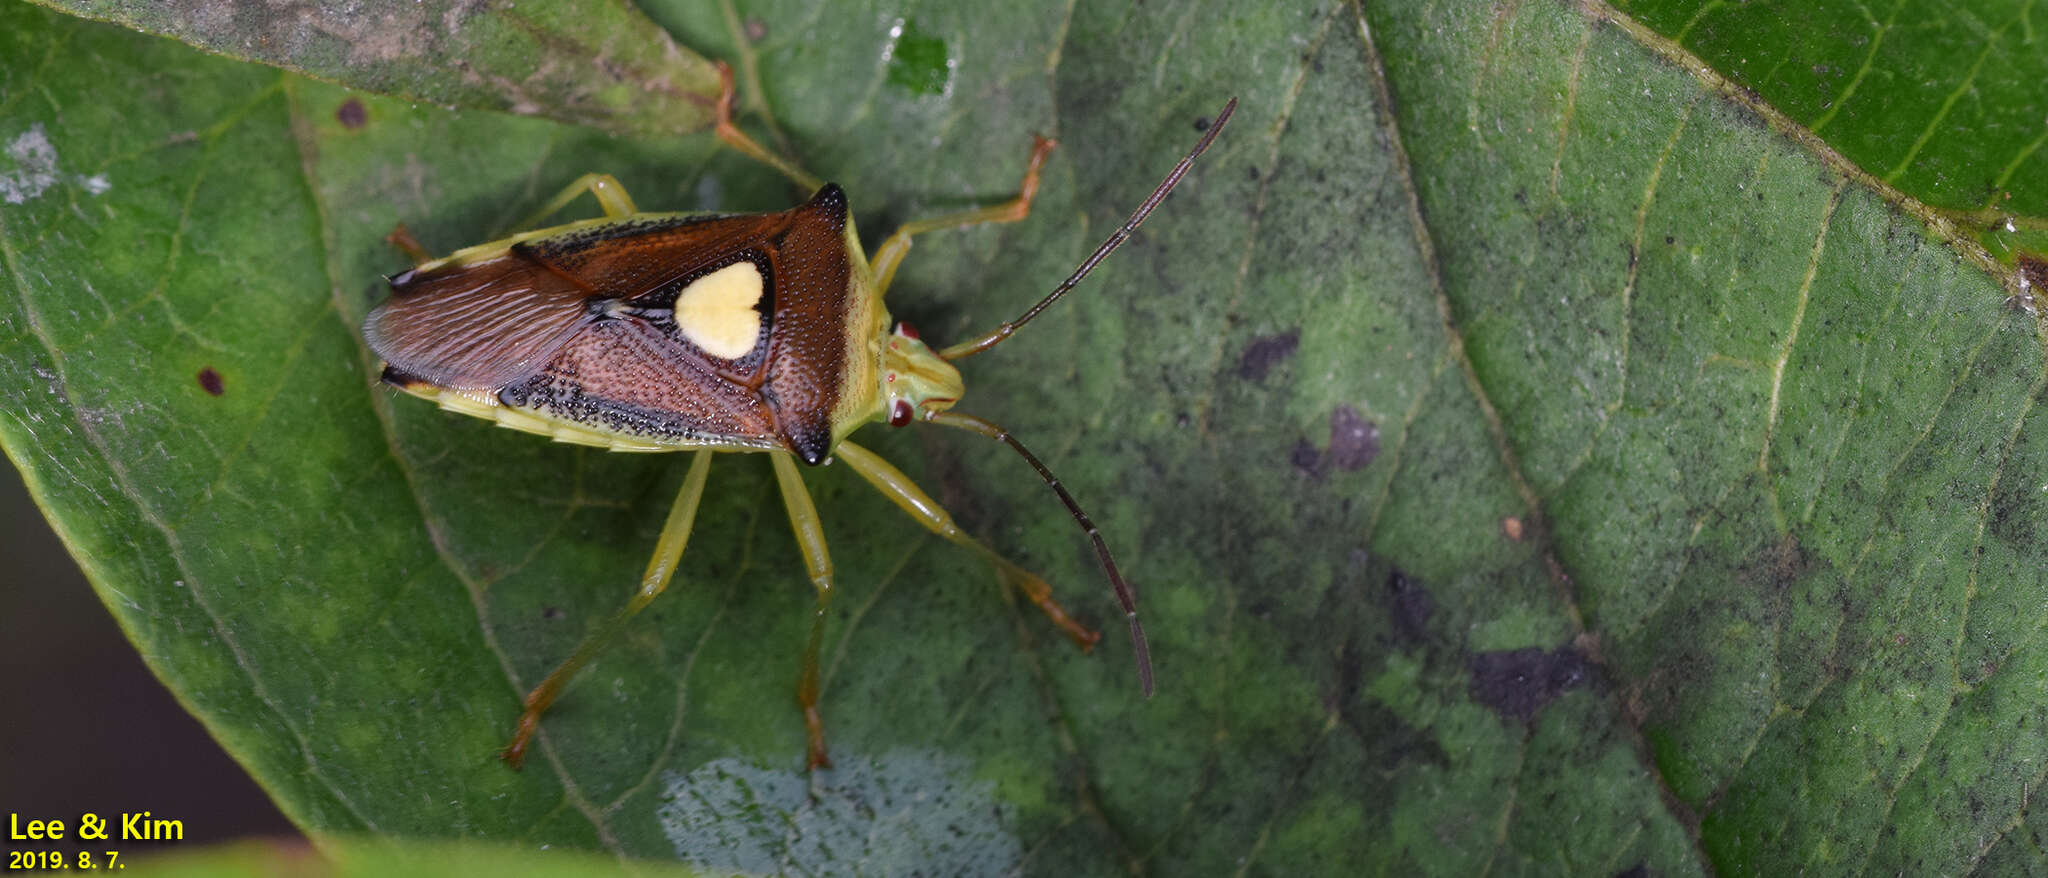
907,496
610,194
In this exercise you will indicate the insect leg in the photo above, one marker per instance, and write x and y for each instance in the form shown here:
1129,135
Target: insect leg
747,146
610,195
675,534
890,254
1125,595
401,237
810,537
1116,239
911,499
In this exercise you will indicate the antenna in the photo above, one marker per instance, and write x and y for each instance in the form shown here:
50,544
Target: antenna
1116,579
1123,233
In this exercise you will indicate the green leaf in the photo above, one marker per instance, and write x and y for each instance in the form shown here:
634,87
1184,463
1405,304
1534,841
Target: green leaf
600,63
1535,455
377,858
1942,100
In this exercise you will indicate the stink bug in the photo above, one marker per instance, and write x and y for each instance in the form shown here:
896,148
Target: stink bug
705,332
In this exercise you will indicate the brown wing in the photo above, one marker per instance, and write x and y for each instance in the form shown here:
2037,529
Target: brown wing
476,327
579,326
630,377
483,324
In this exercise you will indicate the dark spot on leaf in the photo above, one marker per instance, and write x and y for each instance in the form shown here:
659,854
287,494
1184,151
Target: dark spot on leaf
1668,239
1412,605
1264,352
1517,683
351,114
1354,441
2034,267
210,380
1182,420
551,612
1202,123
918,63
1636,871
1307,459
1254,173
1780,566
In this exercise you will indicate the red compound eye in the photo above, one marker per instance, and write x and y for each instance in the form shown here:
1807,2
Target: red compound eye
906,330
899,415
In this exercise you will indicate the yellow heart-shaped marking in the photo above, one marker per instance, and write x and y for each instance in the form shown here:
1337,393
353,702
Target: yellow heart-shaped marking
716,311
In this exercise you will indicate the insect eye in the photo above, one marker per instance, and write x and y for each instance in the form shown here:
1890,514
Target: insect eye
899,415
906,330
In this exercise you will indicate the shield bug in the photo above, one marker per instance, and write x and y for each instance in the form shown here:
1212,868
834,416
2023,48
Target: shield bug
716,333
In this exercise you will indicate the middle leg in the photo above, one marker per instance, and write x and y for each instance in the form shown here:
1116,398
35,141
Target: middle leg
911,499
810,537
668,550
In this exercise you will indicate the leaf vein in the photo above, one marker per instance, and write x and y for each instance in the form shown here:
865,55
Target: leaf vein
1869,58
1934,124
133,493
379,404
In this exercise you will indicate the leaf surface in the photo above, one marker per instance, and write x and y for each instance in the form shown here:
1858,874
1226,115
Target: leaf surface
593,62
1532,454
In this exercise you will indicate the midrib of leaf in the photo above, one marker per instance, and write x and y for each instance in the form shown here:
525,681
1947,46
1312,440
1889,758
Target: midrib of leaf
1425,239
1934,220
381,404
1425,242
